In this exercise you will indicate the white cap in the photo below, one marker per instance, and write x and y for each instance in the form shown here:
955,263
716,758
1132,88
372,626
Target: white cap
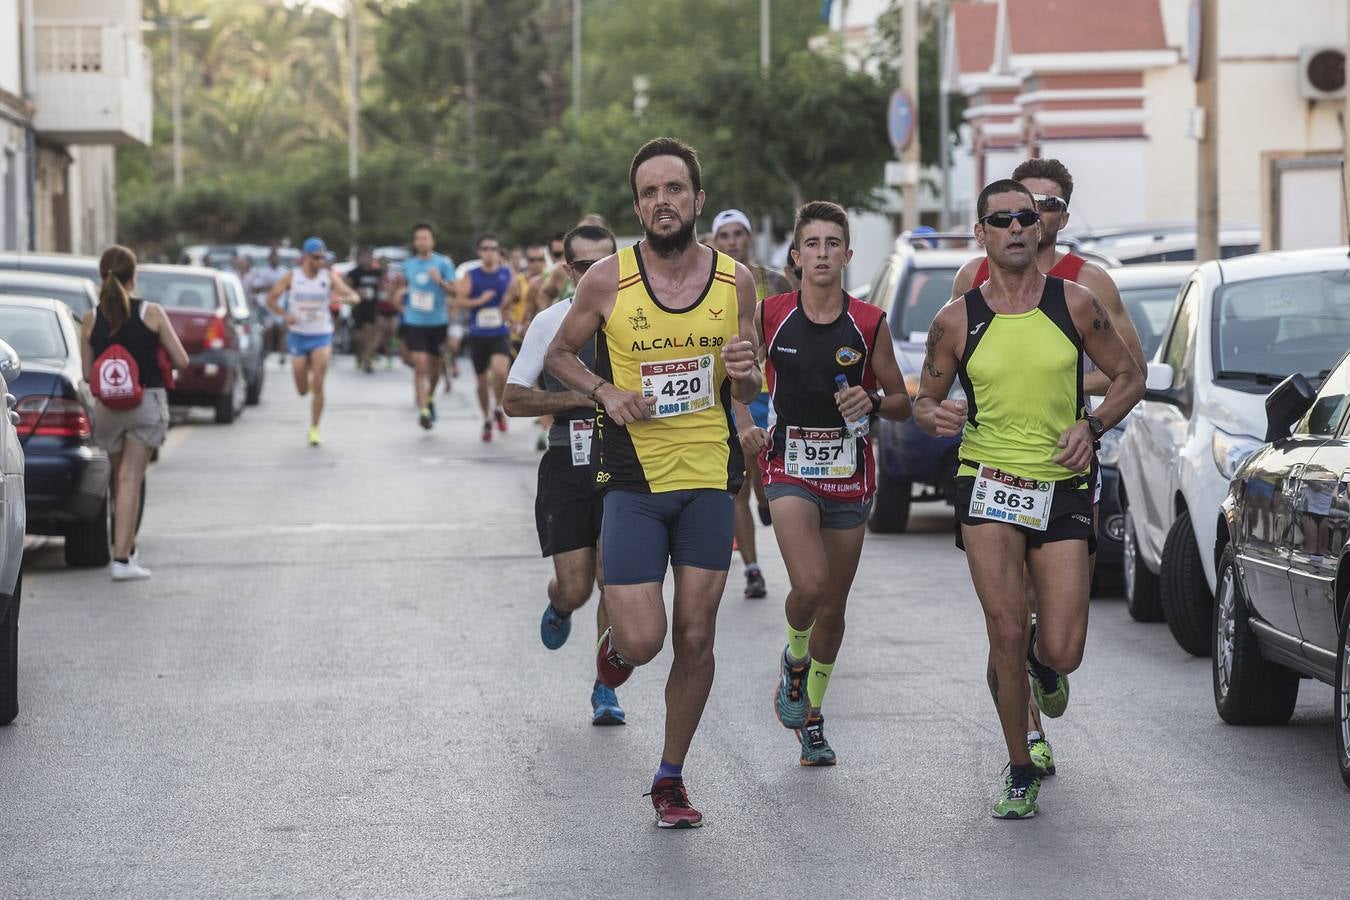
728,217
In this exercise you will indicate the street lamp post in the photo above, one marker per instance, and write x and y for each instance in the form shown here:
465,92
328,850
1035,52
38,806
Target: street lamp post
354,81
765,221
576,58
177,76
174,25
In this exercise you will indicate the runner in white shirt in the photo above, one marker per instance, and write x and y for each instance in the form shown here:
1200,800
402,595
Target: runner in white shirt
309,340
567,509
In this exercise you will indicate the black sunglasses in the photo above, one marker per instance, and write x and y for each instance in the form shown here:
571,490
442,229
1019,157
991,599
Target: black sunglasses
1050,203
581,265
1024,217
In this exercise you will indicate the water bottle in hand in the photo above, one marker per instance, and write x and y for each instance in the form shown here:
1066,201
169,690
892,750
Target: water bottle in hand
858,428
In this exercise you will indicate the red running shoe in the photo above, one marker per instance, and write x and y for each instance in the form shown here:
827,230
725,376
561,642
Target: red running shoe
487,432
610,669
500,415
671,802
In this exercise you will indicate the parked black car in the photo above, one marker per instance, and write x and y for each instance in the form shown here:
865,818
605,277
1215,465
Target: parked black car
72,290
1283,562
65,474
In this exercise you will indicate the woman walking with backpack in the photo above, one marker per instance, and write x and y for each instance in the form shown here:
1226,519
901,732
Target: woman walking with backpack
123,337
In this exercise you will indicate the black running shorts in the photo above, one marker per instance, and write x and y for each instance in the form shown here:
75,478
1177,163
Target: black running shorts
567,508
1070,514
482,349
424,338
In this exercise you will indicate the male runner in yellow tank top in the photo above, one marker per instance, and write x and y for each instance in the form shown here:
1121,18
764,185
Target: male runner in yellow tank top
673,322
1023,495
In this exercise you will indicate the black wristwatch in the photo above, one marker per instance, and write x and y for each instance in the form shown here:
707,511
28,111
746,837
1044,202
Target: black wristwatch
1095,426
876,402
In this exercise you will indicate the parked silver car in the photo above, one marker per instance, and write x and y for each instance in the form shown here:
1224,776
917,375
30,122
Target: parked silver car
13,521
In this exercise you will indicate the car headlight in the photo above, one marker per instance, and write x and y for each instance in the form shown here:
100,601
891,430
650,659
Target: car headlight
1109,453
1231,451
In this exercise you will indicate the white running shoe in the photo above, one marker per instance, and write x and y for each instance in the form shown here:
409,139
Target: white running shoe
129,571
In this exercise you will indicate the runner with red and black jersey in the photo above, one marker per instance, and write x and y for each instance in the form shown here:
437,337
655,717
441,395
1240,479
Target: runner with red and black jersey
827,353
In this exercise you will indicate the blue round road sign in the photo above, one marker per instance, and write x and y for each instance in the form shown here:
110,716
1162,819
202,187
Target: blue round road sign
900,120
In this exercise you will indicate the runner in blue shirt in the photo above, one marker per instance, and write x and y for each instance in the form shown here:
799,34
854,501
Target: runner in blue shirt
422,295
485,292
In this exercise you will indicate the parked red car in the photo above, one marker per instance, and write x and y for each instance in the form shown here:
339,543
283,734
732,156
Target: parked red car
196,302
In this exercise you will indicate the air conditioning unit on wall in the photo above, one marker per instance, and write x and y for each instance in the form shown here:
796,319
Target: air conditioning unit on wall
1321,73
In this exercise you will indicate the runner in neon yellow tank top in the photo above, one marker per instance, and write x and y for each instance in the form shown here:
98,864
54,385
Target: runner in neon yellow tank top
1051,186
674,328
1023,496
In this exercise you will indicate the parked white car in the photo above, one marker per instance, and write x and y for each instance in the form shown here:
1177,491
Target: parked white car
13,521
1238,327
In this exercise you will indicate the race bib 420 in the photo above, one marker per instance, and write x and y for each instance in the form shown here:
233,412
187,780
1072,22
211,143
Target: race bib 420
679,385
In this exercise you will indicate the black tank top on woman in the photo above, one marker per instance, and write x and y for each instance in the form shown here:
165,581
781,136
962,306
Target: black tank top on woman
136,337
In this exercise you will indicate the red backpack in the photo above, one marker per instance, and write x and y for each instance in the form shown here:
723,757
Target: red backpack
117,379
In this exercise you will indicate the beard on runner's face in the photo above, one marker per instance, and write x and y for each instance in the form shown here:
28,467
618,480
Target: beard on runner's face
676,241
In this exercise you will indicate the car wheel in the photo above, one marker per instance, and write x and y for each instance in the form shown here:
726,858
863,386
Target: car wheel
1187,603
9,658
1248,690
1141,585
1342,702
254,395
90,543
890,511
229,403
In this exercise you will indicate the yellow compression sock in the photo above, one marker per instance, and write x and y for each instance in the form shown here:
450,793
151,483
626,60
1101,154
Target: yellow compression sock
817,681
799,643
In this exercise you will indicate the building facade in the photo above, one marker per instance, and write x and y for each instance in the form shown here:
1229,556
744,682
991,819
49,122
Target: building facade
1107,88
74,84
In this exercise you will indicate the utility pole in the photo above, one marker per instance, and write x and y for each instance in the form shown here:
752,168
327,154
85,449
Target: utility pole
1207,148
765,237
576,58
944,123
471,102
909,80
176,77
1345,166
354,81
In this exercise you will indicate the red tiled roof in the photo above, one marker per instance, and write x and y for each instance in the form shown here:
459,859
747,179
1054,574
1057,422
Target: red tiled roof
1075,26
974,25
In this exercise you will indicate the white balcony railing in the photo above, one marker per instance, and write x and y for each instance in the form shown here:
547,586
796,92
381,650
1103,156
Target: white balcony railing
93,83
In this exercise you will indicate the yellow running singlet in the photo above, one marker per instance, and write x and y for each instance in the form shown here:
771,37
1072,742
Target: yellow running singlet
674,356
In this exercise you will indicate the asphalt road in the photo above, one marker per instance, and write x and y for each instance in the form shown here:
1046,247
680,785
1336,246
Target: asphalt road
334,686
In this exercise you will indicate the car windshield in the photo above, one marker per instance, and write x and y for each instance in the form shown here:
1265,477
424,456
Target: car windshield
78,301
1149,309
33,333
1269,328
923,293
179,290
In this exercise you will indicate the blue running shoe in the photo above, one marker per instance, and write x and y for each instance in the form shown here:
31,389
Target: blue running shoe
605,708
554,628
431,407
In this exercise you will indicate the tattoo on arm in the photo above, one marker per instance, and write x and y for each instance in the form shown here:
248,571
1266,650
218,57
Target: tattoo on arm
935,333
992,676
1101,321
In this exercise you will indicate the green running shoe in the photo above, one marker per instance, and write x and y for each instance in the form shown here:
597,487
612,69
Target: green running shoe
789,697
816,750
1018,800
1042,756
1050,688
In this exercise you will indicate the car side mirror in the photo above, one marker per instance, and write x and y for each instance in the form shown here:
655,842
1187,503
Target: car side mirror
1289,402
10,366
1158,384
